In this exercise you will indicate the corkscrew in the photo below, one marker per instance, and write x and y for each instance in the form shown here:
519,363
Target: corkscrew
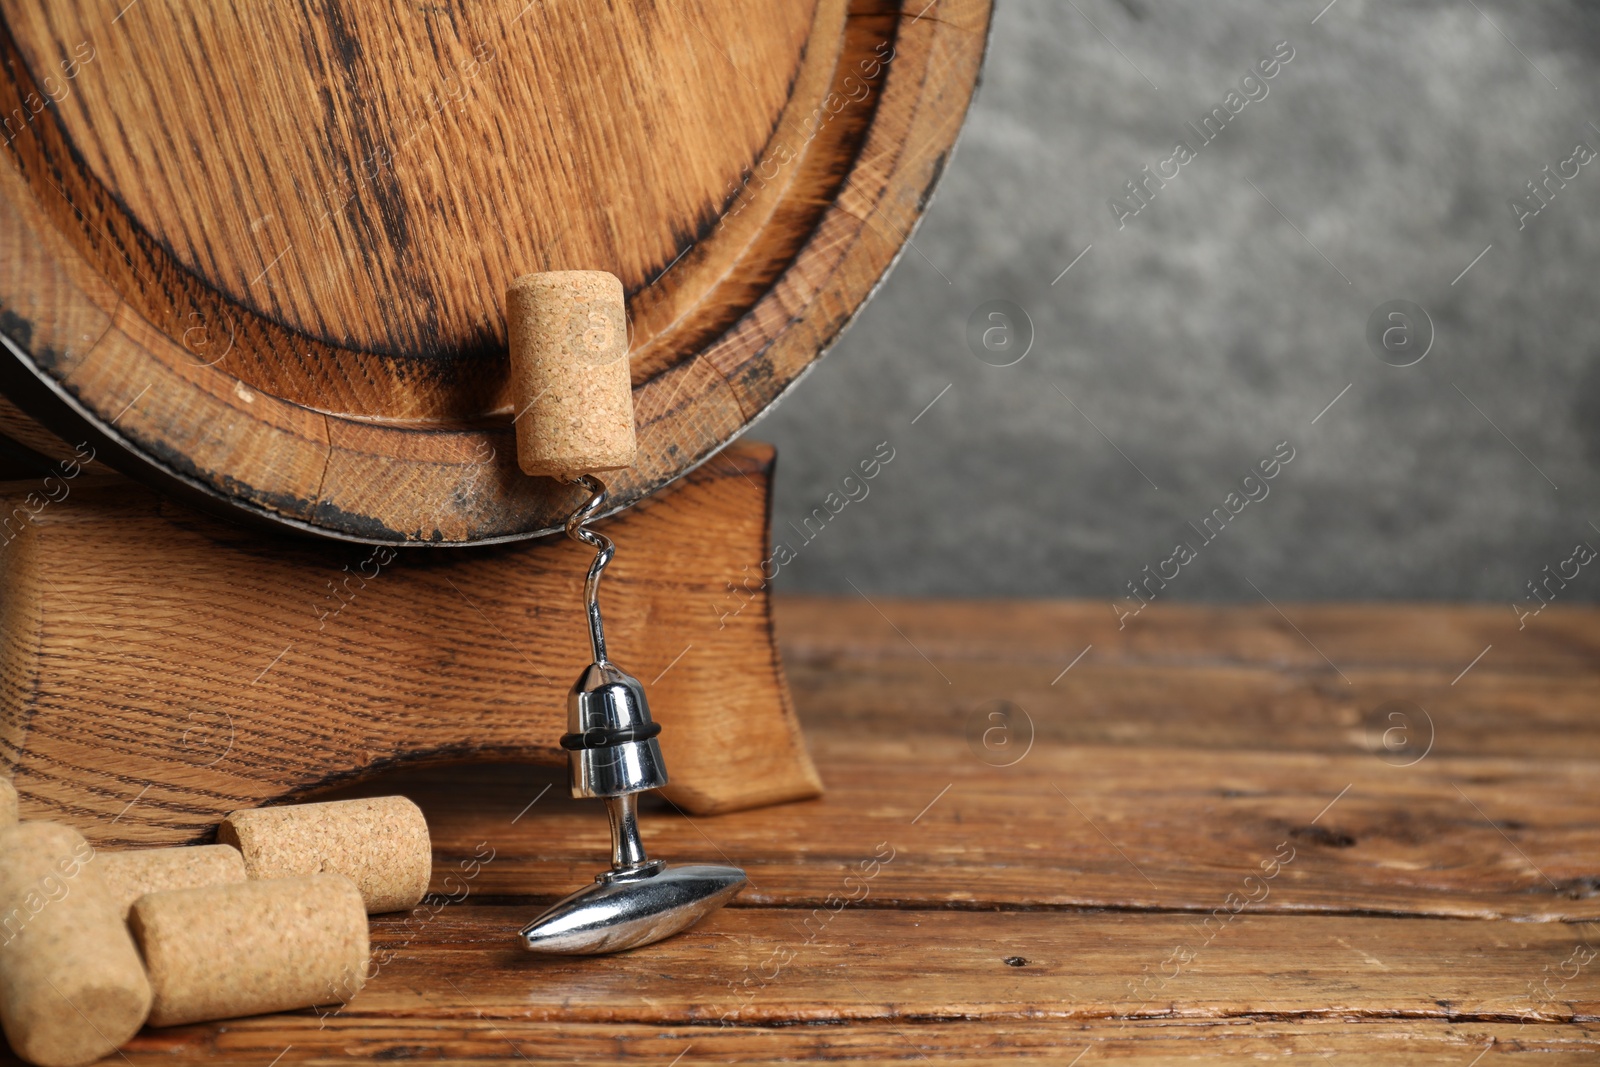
612,753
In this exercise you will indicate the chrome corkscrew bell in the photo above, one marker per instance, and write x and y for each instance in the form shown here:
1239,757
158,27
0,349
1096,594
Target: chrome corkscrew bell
613,753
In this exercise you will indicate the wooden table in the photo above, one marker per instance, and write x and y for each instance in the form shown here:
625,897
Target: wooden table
1210,848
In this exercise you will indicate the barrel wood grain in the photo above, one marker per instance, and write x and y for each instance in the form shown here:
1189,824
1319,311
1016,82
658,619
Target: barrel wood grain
289,269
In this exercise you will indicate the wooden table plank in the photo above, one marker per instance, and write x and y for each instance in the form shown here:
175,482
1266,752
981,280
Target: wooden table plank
1227,706
1086,826
1136,1043
1439,636
762,966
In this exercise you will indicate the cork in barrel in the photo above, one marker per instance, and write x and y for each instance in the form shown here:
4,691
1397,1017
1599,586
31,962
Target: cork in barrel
568,334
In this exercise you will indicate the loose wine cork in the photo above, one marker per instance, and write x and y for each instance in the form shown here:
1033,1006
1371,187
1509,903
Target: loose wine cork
130,875
381,843
72,987
568,332
8,802
221,951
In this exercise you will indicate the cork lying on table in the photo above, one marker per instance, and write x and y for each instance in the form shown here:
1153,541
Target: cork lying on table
8,802
222,951
380,843
568,337
72,987
130,875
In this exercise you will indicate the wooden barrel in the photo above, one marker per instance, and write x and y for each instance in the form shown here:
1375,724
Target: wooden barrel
256,254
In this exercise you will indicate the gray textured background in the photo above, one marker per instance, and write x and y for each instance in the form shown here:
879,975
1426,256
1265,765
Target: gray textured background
1208,329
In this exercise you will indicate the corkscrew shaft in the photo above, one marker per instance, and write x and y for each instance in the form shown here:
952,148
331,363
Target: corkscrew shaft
605,548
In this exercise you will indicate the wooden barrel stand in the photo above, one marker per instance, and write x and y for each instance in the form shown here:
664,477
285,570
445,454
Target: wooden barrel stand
160,668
